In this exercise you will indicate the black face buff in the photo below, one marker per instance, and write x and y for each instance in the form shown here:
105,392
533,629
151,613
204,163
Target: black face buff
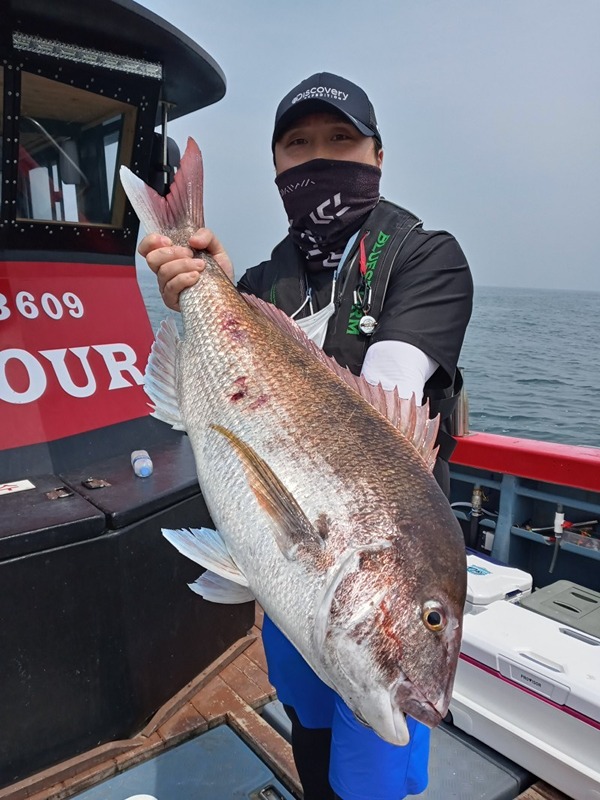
326,202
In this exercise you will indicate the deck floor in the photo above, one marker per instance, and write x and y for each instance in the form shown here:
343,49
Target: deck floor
232,690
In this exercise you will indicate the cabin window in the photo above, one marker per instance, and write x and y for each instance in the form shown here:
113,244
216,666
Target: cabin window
71,142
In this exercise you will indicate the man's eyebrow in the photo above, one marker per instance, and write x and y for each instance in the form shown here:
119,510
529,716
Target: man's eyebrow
333,122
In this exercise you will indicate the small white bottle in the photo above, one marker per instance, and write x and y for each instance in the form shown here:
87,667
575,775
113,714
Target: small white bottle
141,463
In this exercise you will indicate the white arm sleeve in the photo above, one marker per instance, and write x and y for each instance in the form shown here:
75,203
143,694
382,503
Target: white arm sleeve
398,364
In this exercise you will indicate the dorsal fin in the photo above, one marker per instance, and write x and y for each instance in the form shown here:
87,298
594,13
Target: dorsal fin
411,420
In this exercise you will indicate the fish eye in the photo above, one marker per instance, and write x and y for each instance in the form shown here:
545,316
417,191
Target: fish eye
433,616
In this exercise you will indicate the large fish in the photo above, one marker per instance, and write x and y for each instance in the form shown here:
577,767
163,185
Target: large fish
319,485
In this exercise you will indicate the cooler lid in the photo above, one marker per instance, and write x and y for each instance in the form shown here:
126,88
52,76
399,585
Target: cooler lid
488,581
40,513
570,603
111,485
214,766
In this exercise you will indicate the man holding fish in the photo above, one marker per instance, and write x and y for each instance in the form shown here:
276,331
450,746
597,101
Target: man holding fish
390,301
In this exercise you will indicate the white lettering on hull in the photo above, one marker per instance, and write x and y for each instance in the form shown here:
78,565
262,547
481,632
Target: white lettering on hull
119,360
58,360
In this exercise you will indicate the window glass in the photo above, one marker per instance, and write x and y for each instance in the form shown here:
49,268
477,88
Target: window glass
71,142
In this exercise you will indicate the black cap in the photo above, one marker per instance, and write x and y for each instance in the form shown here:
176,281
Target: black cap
327,92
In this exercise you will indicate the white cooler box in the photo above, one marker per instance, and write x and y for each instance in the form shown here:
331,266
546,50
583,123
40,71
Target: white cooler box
529,687
488,581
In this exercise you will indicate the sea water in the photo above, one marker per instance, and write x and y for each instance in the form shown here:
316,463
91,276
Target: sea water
531,361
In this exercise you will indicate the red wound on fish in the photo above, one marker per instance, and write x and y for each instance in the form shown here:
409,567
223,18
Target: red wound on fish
241,385
231,325
260,401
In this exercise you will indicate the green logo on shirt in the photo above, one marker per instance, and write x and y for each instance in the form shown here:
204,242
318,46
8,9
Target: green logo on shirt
356,312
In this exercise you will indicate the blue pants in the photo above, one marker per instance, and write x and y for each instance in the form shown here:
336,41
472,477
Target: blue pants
362,766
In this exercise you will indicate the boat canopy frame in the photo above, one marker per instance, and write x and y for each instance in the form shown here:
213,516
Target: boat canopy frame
65,197
191,77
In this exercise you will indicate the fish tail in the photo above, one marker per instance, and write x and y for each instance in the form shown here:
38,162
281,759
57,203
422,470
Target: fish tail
182,208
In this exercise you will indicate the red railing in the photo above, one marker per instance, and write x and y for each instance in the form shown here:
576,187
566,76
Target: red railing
562,464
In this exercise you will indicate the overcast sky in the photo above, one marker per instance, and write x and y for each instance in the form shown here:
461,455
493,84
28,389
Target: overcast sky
489,112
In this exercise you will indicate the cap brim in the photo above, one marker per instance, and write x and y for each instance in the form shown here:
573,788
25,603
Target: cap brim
305,107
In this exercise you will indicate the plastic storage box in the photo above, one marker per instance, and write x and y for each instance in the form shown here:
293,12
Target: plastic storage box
529,687
488,581
569,603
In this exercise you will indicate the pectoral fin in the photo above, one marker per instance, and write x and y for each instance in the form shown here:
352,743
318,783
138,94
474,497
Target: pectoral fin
217,589
160,377
207,548
291,527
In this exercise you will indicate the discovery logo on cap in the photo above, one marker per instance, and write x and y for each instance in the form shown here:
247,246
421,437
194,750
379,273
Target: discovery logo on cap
327,92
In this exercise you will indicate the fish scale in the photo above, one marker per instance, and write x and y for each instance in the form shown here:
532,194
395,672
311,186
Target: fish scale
319,485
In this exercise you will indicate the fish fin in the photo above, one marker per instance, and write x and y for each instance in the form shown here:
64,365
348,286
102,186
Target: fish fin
159,379
411,420
216,589
291,526
207,548
182,208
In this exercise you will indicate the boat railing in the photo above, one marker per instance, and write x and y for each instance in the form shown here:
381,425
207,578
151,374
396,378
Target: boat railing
540,505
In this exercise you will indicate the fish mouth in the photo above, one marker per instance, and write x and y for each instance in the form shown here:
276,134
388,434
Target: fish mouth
417,705
387,718
390,724
403,700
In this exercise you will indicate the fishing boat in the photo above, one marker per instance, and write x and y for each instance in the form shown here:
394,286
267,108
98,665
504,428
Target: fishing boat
117,681
97,626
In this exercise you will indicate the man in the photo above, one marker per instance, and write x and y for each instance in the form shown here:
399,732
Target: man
386,299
